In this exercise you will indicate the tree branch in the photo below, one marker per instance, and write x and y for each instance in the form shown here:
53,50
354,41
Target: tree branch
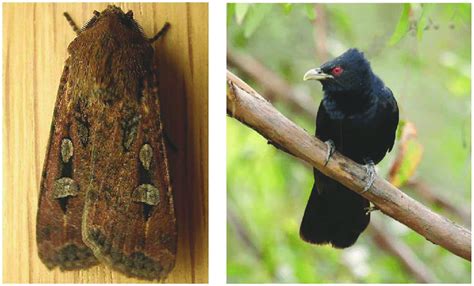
272,83
320,33
423,190
246,105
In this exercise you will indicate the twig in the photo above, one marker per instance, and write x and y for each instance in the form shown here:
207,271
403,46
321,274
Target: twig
272,83
320,34
243,234
246,105
404,254
409,134
421,188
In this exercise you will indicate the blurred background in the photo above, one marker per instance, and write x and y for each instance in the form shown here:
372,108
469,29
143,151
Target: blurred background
423,53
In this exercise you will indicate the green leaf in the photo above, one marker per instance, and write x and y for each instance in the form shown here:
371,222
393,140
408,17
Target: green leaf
402,26
401,125
459,12
409,164
287,7
255,16
241,10
464,11
310,11
421,26
341,20
408,157
230,12
459,85
427,8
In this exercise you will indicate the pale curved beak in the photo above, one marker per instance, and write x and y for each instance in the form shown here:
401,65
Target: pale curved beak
316,74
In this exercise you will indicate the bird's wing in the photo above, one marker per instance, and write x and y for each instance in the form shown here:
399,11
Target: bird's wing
391,111
322,123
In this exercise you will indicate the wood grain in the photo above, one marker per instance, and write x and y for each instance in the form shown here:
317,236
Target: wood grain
35,40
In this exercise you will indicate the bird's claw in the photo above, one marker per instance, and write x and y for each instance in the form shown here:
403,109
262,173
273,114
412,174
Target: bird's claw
370,209
330,150
370,167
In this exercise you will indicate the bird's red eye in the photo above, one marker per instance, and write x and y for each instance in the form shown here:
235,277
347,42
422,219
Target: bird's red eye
337,71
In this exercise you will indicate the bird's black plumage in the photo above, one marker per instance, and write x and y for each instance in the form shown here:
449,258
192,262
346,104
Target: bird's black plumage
360,116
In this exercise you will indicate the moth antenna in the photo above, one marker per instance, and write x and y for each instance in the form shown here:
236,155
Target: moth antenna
91,21
161,33
71,23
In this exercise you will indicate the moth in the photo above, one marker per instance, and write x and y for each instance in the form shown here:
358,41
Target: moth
105,192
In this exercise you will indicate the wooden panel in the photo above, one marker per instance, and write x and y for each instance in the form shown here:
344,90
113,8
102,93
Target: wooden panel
35,40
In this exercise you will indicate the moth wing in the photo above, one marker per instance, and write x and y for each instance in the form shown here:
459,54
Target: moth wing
129,220
61,201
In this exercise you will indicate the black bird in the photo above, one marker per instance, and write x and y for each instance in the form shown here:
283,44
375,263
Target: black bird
358,116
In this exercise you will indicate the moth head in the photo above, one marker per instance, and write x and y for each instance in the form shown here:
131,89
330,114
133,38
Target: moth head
114,14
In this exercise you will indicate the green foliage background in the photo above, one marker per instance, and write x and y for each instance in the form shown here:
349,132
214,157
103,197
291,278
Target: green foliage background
423,53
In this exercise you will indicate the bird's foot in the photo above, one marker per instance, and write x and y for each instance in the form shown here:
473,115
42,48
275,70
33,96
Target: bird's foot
370,209
370,167
330,151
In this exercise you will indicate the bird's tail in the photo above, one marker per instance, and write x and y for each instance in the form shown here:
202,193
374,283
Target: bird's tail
334,215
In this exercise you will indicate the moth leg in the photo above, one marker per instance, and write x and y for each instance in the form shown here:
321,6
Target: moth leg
161,33
71,23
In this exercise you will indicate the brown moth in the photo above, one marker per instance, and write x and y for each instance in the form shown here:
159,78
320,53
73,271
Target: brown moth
105,189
